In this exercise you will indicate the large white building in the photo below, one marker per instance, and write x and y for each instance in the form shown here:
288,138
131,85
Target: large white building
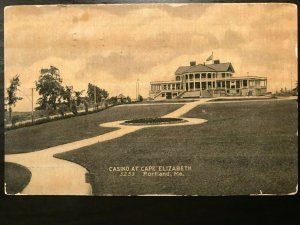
207,80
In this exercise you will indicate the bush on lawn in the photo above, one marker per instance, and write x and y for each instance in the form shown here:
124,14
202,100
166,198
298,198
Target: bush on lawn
74,109
62,109
14,120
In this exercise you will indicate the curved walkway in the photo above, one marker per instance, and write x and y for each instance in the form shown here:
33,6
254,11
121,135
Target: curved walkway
53,176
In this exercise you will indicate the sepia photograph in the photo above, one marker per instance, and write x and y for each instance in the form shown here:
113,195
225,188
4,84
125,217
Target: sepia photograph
151,99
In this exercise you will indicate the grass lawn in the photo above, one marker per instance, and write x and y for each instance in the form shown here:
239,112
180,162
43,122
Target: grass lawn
16,177
244,147
238,99
76,128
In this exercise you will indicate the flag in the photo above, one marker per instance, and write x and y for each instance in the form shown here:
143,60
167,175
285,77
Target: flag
209,58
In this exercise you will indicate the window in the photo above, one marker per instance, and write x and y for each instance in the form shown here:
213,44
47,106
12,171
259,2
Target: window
191,85
164,87
223,75
238,84
257,83
191,76
218,84
163,95
177,78
209,84
186,77
227,84
203,84
223,83
209,75
245,83
237,91
197,85
197,75
203,75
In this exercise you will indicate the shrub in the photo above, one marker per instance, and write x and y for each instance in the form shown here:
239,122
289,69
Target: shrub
62,110
14,120
49,110
74,109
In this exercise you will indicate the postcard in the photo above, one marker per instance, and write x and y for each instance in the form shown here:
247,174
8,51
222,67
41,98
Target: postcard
151,99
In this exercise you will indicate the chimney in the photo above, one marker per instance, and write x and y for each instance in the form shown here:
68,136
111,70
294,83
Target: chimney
217,61
193,63
204,63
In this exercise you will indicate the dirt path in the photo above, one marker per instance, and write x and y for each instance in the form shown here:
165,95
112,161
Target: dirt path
52,176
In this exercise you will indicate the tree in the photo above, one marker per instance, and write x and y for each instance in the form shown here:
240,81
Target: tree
86,105
295,90
95,90
78,97
49,86
113,100
128,99
62,109
11,93
66,94
140,98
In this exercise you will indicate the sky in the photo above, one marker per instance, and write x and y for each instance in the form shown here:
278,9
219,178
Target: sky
114,45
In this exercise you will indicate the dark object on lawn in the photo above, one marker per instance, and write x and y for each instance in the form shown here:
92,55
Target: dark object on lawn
154,121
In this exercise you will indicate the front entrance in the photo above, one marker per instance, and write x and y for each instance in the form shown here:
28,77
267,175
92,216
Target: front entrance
169,95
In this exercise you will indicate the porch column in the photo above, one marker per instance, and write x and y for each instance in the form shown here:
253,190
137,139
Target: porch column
194,81
200,85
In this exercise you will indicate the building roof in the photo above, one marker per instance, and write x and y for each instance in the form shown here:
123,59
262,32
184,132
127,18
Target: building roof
182,69
199,68
220,67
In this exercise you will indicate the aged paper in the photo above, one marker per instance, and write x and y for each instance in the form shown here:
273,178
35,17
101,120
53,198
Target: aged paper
151,99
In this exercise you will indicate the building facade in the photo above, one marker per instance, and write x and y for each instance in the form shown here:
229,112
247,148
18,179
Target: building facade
207,80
